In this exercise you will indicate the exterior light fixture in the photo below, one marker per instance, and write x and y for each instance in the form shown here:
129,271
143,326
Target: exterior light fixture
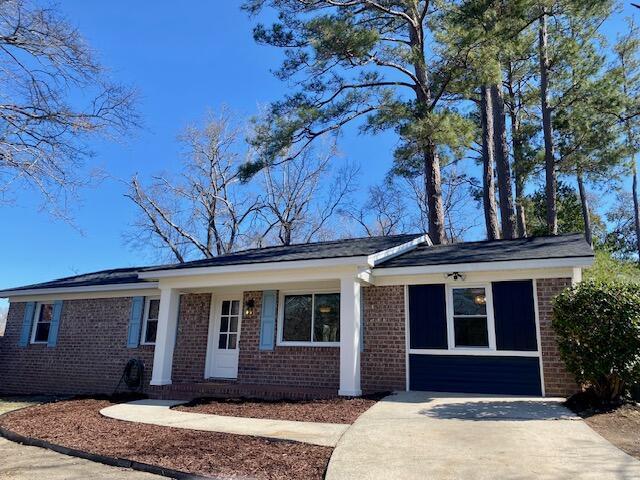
249,307
456,276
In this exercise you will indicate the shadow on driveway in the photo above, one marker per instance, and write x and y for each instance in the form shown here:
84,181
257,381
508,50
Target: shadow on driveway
517,410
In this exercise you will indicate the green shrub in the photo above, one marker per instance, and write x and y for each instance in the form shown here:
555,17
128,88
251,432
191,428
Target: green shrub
606,267
598,328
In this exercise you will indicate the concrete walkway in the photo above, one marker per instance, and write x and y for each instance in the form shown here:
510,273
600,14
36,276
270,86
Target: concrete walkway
418,435
158,412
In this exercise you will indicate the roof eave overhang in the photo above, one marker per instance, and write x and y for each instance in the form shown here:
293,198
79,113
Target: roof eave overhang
256,267
82,289
566,262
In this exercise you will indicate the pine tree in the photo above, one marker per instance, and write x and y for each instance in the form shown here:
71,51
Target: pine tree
368,61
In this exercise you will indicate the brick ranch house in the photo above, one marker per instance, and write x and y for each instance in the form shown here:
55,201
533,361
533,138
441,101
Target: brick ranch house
345,317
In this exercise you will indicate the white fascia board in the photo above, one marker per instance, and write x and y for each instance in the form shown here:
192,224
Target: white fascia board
575,262
379,257
256,267
83,289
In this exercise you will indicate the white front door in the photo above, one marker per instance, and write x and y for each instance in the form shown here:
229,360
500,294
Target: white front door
225,338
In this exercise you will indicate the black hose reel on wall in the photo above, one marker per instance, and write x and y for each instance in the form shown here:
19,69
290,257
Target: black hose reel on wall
132,375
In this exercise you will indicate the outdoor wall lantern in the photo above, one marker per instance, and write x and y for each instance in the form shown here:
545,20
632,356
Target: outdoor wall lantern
249,307
456,276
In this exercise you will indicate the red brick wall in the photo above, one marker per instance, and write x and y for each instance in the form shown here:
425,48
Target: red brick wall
89,357
557,381
383,360
190,351
314,367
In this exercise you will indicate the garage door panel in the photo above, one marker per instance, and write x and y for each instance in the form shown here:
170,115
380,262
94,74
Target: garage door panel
475,374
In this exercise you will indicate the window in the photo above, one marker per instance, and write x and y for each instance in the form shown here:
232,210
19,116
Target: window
310,318
468,318
229,320
42,324
150,323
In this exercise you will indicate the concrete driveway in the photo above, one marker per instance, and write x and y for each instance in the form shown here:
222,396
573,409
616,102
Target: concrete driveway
427,436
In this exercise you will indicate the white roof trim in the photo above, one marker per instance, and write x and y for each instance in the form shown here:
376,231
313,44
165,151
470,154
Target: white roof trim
384,255
486,266
257,267
82,289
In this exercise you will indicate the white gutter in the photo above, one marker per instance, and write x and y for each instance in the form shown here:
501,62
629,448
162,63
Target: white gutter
384,255
486,266
83,289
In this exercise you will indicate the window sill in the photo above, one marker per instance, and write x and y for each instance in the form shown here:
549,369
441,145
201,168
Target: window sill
475,352
307,344
39,343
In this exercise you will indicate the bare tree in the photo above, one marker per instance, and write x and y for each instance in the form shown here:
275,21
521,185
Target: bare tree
301,197
207,211
384,212
456,201
43,133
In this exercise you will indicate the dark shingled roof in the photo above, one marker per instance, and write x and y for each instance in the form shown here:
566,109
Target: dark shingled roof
533,248
308,251
563,246
349,247
104,277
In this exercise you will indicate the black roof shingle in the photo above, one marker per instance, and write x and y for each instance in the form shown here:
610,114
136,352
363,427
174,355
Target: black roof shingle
530,248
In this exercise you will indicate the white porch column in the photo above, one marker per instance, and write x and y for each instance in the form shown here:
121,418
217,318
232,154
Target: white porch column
165,336
349,337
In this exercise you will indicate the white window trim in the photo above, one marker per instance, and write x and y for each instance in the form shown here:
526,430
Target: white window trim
145,317
280,341
491,331
36,319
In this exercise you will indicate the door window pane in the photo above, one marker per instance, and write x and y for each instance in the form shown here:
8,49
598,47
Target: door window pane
235,307
233,338
297,318
222,341
233,324
225,307
224,324
326,320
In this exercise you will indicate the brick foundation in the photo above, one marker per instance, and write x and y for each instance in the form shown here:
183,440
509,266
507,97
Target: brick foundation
557,381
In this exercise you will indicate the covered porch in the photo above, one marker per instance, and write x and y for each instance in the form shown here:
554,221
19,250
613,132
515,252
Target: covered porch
220,331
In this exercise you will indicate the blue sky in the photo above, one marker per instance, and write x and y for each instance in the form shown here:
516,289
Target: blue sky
184,58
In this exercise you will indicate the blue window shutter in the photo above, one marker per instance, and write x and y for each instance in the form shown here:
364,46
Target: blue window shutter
135,322
55,324
27,323
514,315
268,319
427,316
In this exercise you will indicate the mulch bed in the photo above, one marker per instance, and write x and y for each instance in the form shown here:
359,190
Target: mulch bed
619,424
78,424
335,410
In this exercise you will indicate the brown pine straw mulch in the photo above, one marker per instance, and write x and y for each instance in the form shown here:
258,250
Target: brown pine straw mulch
334,410
620,426
78,424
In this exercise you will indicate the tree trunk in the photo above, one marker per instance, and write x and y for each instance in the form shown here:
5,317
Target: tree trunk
636,204
518,158
503,169
584,202
549,161
424,97
488,184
